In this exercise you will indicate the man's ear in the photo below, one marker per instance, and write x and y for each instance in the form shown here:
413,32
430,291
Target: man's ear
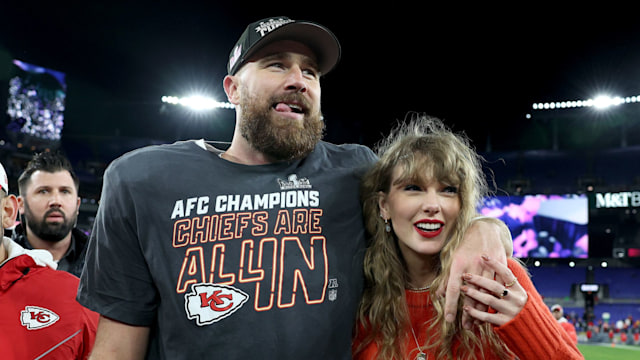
230,84
20,205
9,211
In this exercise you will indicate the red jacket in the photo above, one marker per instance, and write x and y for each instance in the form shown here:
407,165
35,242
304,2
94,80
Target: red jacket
39,315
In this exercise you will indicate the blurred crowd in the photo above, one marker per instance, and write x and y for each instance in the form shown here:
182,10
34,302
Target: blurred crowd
622,331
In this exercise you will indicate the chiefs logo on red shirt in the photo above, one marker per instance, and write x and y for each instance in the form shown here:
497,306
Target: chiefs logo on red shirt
35,317
210,303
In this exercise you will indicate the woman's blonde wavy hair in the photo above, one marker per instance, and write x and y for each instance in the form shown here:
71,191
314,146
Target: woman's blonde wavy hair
423,145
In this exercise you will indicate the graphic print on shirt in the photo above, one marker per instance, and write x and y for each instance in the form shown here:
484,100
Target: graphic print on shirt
209,303
271,244
35,317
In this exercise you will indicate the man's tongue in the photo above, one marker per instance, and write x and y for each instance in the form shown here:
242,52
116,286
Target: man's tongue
282,107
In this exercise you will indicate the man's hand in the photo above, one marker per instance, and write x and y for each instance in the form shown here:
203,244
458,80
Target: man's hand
116,340
485,236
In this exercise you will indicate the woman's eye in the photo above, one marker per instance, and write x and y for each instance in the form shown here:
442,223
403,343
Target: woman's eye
450,189
412,187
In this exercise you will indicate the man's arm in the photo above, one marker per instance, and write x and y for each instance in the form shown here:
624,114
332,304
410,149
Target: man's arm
116,340
485,236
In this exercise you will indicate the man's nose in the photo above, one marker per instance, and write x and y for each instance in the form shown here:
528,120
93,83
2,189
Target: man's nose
296,80
55,199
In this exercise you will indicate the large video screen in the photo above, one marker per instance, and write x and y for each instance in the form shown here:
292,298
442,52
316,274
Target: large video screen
36,102
544,226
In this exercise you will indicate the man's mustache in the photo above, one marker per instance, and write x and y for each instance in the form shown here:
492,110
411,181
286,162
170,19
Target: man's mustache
54,210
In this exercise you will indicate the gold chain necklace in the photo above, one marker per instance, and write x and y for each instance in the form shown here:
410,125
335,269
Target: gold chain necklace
424,288
421,355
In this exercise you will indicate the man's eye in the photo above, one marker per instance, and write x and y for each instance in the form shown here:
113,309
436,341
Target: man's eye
277,65
311,73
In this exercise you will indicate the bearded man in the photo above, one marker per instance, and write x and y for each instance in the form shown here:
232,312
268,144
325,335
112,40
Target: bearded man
48,205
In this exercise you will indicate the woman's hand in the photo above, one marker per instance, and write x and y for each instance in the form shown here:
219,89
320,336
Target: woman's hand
485,236
504,294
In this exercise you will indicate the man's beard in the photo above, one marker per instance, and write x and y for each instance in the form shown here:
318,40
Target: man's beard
280,142
53,232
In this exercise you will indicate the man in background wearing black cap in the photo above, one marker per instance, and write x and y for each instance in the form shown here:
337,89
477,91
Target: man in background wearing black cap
253,251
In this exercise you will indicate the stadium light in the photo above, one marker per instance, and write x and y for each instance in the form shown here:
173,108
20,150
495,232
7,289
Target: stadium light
197,102
604,101
600,102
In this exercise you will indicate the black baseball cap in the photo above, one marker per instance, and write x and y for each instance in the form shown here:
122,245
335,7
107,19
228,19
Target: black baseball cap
318,38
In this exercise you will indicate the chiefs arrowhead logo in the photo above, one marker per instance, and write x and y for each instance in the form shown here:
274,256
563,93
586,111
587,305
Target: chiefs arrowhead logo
210,303
35,317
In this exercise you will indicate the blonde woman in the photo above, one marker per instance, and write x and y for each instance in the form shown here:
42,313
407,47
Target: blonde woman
418,201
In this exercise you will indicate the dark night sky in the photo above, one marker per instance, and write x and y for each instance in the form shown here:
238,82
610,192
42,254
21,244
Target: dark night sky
477,67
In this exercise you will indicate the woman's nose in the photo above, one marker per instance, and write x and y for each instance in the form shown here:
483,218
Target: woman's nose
430,204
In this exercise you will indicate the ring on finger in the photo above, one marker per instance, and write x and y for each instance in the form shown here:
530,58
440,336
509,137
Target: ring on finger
505,292
515,280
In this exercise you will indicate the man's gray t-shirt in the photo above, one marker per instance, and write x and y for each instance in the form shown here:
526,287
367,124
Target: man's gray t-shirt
230,261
